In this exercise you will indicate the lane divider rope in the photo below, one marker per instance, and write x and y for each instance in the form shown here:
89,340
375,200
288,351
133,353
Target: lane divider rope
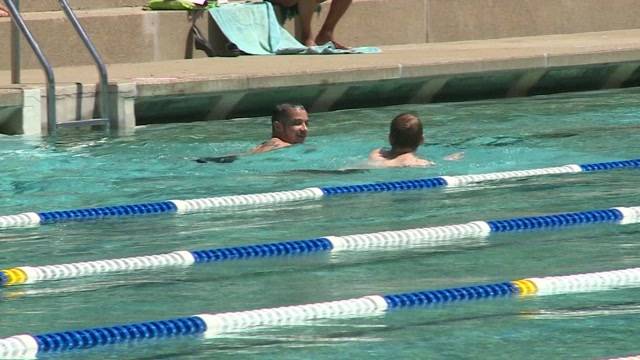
211,325
429,236
313,193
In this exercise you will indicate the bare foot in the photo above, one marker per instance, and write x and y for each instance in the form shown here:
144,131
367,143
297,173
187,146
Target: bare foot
3,11
310,43
340,46
323,39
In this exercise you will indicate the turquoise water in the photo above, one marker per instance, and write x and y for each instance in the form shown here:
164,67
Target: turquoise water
155,164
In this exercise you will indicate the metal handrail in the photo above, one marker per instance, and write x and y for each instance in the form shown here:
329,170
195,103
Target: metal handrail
46,66
15,49
19,24
102,70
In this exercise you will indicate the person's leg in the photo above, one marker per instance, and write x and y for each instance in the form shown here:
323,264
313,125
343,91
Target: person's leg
3,11
338,8
305,11
287,3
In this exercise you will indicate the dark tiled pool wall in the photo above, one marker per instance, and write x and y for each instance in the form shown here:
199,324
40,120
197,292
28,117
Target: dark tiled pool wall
462,87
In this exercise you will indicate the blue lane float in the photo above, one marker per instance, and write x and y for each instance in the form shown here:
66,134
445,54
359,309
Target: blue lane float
610,165
432,297
557,220
430,236
85,339
314,193
109,211
383,187
263,250
212,325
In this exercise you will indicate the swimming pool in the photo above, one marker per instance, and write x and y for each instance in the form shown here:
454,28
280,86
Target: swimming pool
156,164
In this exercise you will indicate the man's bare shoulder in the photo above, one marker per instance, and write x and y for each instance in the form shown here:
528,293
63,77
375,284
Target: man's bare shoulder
377,155
415,161
378,158
409,160
271,144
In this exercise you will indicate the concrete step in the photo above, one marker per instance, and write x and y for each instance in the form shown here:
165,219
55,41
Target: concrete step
126,34
390,22
53,5
222,88
121,35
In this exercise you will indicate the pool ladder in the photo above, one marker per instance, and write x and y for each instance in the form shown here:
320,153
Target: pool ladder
103,99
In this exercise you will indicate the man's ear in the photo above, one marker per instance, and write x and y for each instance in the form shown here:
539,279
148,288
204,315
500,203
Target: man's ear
277,127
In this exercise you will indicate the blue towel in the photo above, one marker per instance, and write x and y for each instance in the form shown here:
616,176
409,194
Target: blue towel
254,29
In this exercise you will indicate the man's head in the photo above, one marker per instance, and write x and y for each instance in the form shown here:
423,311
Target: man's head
406,132
289,123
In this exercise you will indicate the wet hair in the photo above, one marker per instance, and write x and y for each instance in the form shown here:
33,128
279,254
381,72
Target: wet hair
280,111
405,131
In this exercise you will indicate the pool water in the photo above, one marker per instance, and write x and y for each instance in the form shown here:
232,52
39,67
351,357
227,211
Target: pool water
156,164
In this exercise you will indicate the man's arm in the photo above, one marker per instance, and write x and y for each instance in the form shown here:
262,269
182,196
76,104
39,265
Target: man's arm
455,156
271,144
218,159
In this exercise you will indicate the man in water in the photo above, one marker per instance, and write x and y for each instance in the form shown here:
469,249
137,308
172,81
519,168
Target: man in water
405,136
289,125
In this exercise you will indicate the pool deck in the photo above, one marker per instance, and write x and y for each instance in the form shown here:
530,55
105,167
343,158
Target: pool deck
227,87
